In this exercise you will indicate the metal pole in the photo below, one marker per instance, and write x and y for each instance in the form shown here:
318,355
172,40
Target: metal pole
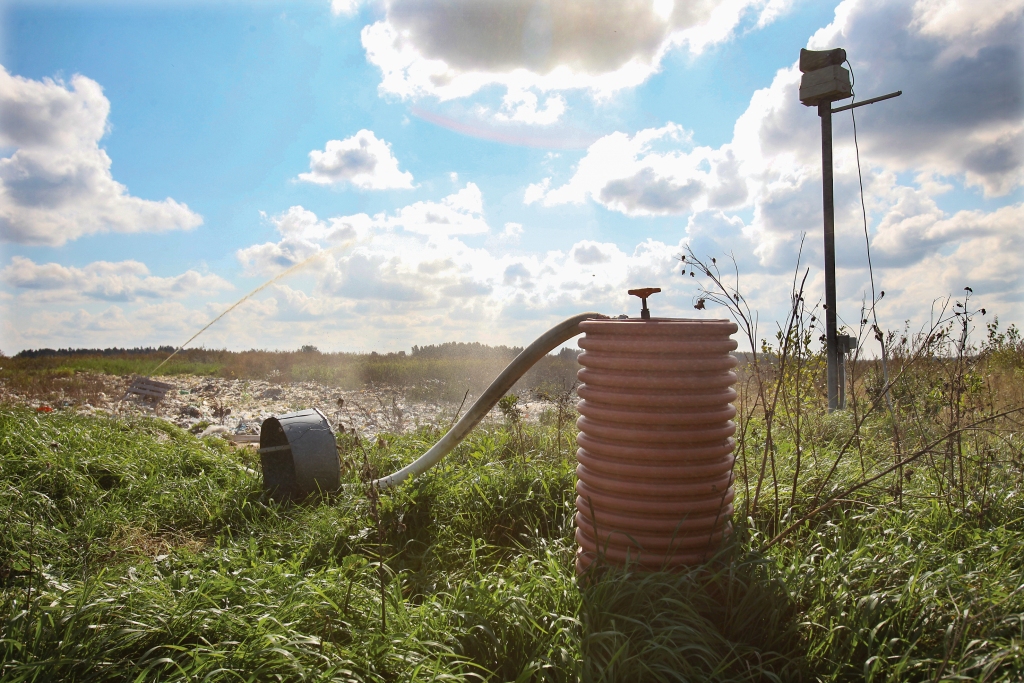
831,350
841,362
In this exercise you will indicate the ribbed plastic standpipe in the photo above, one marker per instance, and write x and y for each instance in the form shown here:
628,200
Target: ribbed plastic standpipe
547,342
655,457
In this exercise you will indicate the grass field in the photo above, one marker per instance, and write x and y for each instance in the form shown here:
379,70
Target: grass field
871,545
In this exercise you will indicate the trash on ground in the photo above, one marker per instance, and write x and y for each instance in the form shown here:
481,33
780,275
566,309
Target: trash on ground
148,389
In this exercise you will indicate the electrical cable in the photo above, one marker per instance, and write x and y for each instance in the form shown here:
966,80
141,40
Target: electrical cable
867,246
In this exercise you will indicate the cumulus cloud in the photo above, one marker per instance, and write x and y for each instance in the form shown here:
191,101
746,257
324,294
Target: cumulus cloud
978,249
454,49
535,192
150,324
57,185
457,214
345,7
635,176
362,160
372,276
386,286
302,235
425,283
961,67
959,106
512,232
124,281
588,253
915,227
517,275
522,106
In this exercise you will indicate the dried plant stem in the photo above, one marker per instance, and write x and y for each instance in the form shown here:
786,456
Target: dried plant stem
889,470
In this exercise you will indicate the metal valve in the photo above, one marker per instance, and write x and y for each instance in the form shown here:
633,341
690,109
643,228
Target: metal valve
643,294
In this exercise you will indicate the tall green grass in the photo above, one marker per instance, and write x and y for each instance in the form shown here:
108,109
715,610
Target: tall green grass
131,550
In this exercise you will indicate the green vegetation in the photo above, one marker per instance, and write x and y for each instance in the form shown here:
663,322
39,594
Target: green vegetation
135,551
131,366
880,543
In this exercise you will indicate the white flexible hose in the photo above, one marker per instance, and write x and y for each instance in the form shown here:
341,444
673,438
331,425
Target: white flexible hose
563,331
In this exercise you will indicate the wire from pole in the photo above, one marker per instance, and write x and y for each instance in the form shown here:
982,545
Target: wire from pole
867,246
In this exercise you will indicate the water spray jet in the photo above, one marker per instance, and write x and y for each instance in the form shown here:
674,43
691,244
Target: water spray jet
284,273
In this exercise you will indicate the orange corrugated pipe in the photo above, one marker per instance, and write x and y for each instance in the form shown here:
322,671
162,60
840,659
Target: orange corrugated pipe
655,458
655,443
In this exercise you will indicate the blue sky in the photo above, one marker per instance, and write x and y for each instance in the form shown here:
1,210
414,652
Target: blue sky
478,171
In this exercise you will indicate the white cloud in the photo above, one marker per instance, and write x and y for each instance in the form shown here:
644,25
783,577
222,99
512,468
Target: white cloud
915,227
294,305
300,223
961,67
125,281
454,49
457,214
302,234
773,9
521,106
535,192
512,232
772,162
589,253
57,184
963,23
629,175
410,277
272,257
152,324
362,160
425,285
345,7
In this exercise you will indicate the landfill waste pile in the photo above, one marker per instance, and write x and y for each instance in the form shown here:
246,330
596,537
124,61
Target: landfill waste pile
235,408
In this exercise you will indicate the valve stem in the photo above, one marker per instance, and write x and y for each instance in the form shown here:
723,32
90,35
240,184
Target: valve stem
645,313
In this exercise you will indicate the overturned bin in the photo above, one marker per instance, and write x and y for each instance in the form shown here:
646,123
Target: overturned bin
299,455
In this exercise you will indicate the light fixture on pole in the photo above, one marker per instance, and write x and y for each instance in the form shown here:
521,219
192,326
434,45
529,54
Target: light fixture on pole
823,82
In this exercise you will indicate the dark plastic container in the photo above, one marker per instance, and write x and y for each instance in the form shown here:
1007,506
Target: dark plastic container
299,455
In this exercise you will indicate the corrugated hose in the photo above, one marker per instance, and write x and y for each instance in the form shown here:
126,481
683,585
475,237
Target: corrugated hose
547,342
